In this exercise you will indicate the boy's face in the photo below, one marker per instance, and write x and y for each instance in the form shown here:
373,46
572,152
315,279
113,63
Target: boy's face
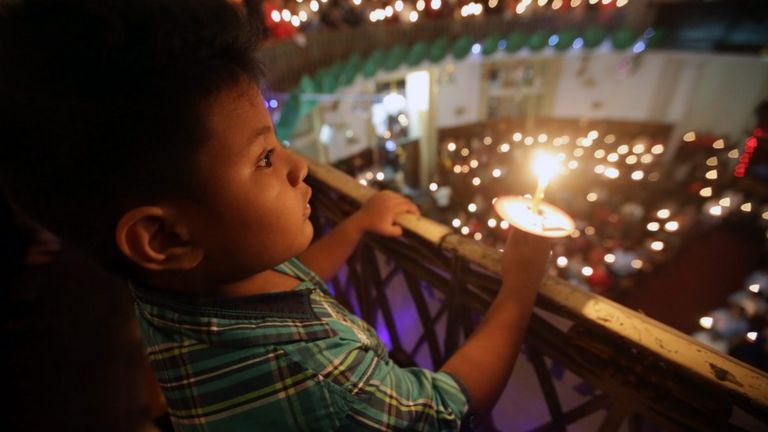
254,211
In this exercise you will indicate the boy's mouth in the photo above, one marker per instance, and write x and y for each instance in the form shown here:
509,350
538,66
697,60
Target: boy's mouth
308,208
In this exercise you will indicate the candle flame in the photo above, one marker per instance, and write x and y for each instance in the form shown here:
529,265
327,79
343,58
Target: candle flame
545,166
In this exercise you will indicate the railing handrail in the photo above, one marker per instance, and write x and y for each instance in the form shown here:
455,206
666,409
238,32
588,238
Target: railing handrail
744,383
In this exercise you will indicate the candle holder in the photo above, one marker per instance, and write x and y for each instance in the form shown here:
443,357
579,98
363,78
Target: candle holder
538,218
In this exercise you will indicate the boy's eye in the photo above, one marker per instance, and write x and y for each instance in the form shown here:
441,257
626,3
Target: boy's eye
266,161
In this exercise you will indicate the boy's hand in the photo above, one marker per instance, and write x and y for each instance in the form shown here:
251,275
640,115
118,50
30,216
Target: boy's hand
377,215
525,257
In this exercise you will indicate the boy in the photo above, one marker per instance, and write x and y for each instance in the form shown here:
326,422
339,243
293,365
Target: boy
136,130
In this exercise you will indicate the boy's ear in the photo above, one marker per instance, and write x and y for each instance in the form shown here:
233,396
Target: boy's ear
150,237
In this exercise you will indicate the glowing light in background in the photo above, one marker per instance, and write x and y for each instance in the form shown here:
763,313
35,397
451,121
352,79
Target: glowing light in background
706,322
612,173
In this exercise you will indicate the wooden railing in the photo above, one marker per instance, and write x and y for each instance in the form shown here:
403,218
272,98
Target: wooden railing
639,366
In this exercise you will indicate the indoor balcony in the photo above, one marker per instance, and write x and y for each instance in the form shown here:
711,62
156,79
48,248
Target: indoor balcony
589,363
426,291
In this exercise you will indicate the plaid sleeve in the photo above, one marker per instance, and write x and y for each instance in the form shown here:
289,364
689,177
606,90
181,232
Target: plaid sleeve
381,395
410,398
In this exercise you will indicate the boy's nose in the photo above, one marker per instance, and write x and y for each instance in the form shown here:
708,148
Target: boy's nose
299,169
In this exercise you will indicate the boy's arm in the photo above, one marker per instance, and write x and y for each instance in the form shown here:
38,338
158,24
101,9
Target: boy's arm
377,215
484,363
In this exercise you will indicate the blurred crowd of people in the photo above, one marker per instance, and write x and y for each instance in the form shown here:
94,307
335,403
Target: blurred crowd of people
740,327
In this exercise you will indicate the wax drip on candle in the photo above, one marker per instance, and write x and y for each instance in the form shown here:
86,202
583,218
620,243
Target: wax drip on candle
538,196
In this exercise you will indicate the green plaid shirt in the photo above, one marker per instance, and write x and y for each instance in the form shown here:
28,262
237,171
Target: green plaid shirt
293,360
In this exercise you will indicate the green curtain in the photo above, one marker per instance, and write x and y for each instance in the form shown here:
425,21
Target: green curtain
462,46
491,44
565,39
515,41
328,79
439,49
350,69
394,57
538,40
289,117
373,63
306,86
593,36
623,38
417,53
657,39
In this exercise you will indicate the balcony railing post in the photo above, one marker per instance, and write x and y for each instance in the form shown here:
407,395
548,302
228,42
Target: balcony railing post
425,318
454,306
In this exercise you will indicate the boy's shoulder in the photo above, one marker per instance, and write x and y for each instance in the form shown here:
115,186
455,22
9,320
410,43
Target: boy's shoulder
265,318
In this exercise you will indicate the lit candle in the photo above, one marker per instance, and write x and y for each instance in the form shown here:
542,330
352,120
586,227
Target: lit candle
533,215
545,166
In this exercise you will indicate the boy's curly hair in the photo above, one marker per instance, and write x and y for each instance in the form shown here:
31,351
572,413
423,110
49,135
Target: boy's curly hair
102,104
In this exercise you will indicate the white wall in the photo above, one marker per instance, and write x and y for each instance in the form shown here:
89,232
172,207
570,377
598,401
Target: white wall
458,93
708,93
347,116
703,92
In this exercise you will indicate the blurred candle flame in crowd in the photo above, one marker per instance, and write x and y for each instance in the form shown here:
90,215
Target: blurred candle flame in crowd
706,322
